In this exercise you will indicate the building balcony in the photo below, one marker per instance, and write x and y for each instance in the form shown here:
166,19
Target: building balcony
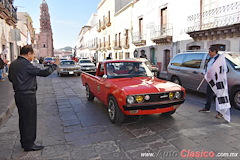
139,39
99,29
108,46
103,26
116,45
125,43
215,23
8,12
93,47
162,34
108,23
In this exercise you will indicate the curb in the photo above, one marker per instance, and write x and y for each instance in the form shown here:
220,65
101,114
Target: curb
4,116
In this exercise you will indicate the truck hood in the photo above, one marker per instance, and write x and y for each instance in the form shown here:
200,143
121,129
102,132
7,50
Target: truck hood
143,85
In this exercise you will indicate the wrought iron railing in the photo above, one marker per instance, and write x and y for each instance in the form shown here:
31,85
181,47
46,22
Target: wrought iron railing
217,17
138,36
161,31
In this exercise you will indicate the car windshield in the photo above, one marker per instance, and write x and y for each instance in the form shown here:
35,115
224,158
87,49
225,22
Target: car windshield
48,59
85,61
234,59
67,62
127,69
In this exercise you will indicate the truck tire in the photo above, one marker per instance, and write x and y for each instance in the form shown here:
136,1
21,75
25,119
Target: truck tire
89,94
169,113
235,98
115,114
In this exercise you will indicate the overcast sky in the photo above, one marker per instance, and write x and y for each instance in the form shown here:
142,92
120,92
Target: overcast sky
67,17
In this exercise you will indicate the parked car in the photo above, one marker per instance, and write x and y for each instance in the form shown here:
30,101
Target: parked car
47,61
128,87
87,65
68,67
187,69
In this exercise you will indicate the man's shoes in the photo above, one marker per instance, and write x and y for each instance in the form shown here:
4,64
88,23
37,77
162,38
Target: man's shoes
33,148
204,110
219,116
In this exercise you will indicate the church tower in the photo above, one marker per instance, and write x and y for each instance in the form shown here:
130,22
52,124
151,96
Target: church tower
45,38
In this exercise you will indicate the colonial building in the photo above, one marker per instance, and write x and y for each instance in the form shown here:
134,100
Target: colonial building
8,33
25,26
45,37
216,24
160,29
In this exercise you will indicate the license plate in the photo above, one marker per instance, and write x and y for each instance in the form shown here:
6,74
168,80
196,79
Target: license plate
87,68
71,72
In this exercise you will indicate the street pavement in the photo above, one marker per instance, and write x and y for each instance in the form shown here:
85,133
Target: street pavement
7,103
72,128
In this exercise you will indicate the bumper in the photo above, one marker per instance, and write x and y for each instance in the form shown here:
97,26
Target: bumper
69,72
152,109
89,70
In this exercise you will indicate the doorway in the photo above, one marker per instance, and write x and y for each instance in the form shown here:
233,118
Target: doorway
166,59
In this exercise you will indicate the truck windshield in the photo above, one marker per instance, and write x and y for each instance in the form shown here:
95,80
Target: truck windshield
127,69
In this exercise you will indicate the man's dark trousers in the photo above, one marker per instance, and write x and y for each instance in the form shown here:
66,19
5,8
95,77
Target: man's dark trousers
27,110
209,97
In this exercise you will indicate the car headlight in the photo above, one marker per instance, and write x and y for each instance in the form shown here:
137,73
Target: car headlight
177,95
139,98
130,99
61,69
171,95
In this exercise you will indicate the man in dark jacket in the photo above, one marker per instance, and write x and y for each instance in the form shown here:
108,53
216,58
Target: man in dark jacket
22,74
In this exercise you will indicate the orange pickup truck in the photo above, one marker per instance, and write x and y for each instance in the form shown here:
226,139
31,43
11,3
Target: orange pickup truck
128,87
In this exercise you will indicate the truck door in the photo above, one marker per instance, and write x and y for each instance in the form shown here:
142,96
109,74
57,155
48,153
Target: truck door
101,86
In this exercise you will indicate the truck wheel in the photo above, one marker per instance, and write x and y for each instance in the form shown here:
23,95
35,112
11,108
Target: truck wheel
235,98
115,114
89,95
176,80
169,113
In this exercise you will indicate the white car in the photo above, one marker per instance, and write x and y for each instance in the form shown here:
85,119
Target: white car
87,65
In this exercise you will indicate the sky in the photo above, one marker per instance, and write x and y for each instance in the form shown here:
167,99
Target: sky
67,17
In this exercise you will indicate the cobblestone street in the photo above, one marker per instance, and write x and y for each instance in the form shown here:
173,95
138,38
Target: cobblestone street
72,128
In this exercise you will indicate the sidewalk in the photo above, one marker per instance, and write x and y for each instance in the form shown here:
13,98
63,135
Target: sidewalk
7,102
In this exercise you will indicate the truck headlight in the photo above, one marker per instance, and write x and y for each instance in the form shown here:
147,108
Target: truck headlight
177,95
130,99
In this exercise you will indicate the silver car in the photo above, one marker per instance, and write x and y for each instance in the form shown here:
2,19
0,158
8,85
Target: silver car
87,65
187,69
68,67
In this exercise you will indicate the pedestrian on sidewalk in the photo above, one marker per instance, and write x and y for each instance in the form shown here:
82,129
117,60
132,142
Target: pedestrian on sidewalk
2,64
6,65
22,74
